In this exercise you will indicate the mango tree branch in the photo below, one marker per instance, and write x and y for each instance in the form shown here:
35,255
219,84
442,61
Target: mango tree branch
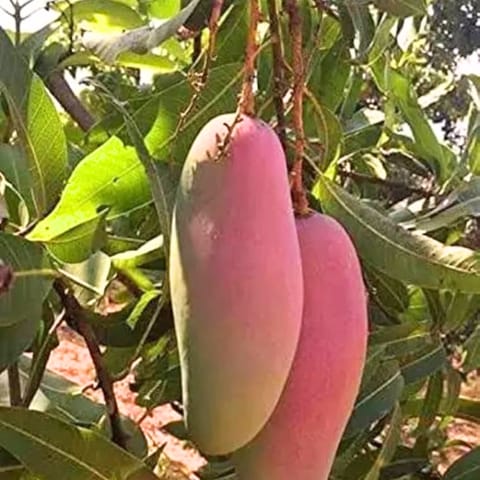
60,89
300,202
278,77
247,99
75,316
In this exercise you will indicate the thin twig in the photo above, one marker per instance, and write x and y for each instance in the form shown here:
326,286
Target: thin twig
278,77
199,85
14,388
300,202
197,48
40,361
59,88
247,100
75,315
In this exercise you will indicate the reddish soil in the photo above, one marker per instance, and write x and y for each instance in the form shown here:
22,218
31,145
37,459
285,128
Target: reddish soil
71,359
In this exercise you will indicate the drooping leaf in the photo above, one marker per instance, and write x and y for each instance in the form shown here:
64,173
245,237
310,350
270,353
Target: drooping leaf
426,141
364,25
408,257
47,445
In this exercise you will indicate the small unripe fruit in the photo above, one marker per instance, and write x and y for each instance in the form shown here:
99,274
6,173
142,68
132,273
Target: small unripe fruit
236,281
301,438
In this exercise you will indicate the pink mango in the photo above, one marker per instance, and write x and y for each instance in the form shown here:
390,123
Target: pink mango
236,282
301,438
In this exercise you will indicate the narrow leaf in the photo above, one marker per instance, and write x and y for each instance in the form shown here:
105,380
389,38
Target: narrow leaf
46,446
408,257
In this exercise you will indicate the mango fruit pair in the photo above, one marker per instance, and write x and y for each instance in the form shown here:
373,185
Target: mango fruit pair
270,311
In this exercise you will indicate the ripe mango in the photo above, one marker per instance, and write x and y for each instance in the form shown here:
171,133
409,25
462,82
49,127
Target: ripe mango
301,438
236,281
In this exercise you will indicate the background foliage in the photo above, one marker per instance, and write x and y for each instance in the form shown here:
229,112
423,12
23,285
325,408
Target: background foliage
393,152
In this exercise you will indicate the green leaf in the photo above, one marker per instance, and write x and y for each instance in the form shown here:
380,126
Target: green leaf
424,363
140,307
160,197
14,166
37,124
90,277
118,184
323,128
155,63
232,35
48,146
25,297
390,294
101,15
364,25
15,76
401,339
390,443
16,338
377,398
382,40
329,86
402,8
431,405
466,468
65,400
162,9
363,130
78,243
473,142
400,88
149,251
46,446
462,202
413,259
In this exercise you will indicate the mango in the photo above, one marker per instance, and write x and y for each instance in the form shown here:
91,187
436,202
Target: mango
236,281
301,438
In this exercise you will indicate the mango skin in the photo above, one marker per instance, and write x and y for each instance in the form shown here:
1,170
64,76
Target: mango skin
301,438
236,283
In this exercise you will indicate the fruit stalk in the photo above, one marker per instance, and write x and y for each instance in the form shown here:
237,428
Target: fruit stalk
247,99
300,202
